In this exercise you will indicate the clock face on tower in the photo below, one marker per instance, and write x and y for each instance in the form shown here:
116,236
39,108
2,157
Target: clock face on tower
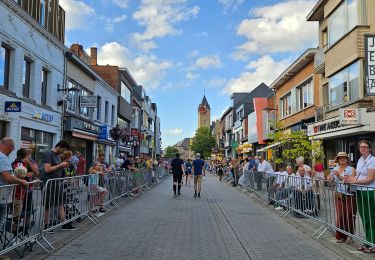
202,109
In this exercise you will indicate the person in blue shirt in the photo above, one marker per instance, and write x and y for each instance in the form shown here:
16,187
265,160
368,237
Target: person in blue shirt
198,170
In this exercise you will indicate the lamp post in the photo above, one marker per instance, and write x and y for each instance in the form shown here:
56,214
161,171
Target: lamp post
62,103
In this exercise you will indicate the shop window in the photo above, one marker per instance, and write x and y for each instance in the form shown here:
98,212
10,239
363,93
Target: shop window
344,85
44,86
4,66
38,141
26,77
342,20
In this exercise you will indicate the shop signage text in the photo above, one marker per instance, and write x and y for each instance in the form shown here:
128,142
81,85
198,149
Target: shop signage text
370,64
350,116
91,127
43,116
327,126
88,101
13,106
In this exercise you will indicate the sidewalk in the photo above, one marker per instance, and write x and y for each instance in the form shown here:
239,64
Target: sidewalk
221,225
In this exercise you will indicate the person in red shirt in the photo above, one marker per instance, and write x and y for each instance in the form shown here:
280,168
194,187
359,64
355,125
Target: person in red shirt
81,166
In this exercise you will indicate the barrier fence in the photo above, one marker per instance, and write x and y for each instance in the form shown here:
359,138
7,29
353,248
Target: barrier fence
28,214
346,210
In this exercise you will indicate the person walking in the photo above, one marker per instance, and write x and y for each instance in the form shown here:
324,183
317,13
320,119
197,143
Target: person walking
177,171
188,172
198,170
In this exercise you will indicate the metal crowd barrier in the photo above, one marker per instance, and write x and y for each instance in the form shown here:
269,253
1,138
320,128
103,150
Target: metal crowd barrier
27,215
346,210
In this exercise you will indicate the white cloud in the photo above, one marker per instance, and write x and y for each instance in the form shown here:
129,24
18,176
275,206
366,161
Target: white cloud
159,17
231,4
110,22
193,54
207,62
191,75
201,34
147,70
176,131
121,3
216,82
277,28
265,69
77,14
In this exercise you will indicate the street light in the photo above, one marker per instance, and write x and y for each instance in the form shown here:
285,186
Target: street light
73,89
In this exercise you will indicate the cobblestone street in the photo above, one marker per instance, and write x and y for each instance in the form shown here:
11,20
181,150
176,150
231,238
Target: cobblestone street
223,224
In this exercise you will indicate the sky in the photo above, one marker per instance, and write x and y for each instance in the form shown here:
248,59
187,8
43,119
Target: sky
180,49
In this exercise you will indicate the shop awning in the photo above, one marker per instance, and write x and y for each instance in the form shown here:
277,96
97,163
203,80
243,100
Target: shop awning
84,135
268,147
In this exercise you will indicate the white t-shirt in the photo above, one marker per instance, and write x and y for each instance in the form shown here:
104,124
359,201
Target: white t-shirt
281,177
363,165
265,167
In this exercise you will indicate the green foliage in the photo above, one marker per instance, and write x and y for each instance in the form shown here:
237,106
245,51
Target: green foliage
296,144
203,142
170,152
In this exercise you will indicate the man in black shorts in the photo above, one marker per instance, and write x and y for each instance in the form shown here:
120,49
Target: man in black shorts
177,169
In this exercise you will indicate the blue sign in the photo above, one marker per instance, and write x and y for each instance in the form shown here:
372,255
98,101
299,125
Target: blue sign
12,106
103,132
43,116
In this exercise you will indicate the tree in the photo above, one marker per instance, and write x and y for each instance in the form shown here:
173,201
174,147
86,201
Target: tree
296,144
170,152
203,142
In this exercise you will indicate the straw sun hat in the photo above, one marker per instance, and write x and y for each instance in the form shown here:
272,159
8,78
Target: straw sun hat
341,154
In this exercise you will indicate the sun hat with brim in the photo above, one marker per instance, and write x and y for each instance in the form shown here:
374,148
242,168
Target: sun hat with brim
341,154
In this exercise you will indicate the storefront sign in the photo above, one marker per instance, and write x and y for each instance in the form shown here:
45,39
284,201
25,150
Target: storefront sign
370,64
88,101
25,144
43,116
73,123
350,116
103,132
91,127
135,134
12,106
325,127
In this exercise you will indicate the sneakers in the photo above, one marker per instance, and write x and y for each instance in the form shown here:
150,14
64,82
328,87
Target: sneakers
279,208
179,194
68,226
199,195
195,195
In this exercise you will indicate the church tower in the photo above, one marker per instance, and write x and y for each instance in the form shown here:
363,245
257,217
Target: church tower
204,112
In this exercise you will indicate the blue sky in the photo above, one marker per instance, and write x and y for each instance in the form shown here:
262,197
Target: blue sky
177,49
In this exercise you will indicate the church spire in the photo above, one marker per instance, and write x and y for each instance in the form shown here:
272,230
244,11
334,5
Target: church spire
204,102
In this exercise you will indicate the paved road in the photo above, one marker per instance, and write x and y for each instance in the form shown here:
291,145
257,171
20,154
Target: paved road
223,224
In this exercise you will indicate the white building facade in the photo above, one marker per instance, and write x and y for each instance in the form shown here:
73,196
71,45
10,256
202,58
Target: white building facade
31,71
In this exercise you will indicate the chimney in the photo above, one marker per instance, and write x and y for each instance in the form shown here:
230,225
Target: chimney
94,56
